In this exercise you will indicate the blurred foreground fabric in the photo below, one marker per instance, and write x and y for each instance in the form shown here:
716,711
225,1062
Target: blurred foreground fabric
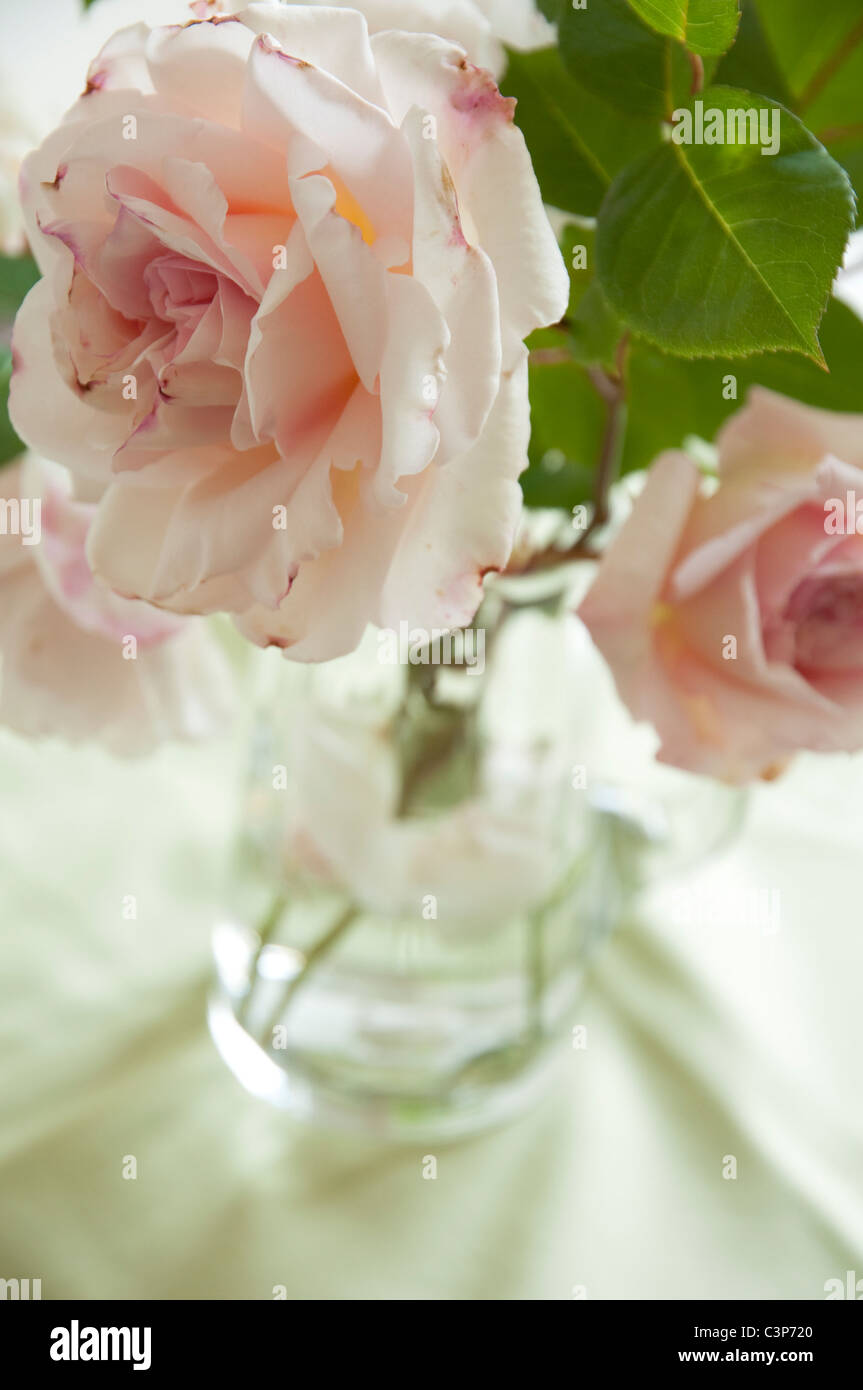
705,1039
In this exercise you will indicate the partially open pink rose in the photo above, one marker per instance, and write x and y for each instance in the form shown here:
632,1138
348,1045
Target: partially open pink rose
734,621
287,274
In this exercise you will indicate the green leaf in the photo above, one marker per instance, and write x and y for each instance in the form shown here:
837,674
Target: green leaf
671,397
594,330
17,274
591,332
711,250
819,49
751,63
847,150
567,418
10,444
577,142
704,26
578,244
610,52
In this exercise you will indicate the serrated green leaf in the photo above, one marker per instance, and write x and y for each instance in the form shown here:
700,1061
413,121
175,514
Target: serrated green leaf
710,250
704,26
672,397
577,142
847,150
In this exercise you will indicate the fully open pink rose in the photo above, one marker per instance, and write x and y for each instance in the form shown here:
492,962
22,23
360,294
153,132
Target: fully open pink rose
67,665
287,274
734,621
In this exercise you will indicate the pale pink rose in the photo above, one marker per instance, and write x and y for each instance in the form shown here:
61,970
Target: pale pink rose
63,636
312,439
734,621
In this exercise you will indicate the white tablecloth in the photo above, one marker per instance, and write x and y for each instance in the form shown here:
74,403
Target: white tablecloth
706,1040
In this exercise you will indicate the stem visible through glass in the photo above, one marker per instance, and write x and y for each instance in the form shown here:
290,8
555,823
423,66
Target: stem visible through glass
311,958
265,932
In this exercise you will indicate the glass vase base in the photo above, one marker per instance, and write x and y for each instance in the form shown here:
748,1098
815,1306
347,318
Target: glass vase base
514,1083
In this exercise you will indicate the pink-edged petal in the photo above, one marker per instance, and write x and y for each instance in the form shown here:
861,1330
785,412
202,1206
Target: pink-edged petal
59,680
786,553
730,608
299,373
411,380
119,263
709,719
173,425
122,62
201,67
324,126
46,412
633,573
198,535
749,503
186,212
61,560
498,194
355,281
774,434
461,280
310,625
65,177
423,562
461,21
331,37
462,521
